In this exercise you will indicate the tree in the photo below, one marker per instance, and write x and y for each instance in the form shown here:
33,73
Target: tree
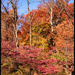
14,6
30,22
63,4
64,40
15,18
49,5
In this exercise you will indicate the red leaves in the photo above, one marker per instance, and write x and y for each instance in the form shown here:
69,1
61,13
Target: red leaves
48,70
28,55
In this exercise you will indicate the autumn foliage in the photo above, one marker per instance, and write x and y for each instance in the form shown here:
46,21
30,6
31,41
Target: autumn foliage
51,53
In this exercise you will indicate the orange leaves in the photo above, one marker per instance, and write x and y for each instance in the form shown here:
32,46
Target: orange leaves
41,16
7,27
27,37
65,33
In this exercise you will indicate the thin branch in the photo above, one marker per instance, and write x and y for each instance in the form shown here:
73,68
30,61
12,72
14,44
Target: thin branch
26,29
63,9
13,5
33,1
59,14
5,8
32,17
6,11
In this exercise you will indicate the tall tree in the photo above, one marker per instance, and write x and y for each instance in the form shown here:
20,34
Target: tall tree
30,19
49,4
14,17
30,22
14,6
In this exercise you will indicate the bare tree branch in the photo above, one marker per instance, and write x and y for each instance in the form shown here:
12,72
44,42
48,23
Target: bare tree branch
33,1
4,8
68,16
64,9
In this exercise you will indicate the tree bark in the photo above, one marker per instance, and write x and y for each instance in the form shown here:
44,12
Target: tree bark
51,20
15,23
30,23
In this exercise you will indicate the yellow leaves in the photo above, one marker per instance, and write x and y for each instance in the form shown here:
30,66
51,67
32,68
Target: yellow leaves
5,64
23,43
20,71
43,40
42,57
38,58
39,41
24,39
40,30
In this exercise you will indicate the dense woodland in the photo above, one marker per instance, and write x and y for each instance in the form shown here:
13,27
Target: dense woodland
44,43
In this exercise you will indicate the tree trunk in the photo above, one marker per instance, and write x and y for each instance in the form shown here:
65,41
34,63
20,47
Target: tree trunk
16,26
16,35
51,20
17,43
30,23
30,35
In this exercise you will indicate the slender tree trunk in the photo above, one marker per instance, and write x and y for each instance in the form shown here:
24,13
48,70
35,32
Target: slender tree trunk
16,26
51,20
50,12
16,36
30,23
30,35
